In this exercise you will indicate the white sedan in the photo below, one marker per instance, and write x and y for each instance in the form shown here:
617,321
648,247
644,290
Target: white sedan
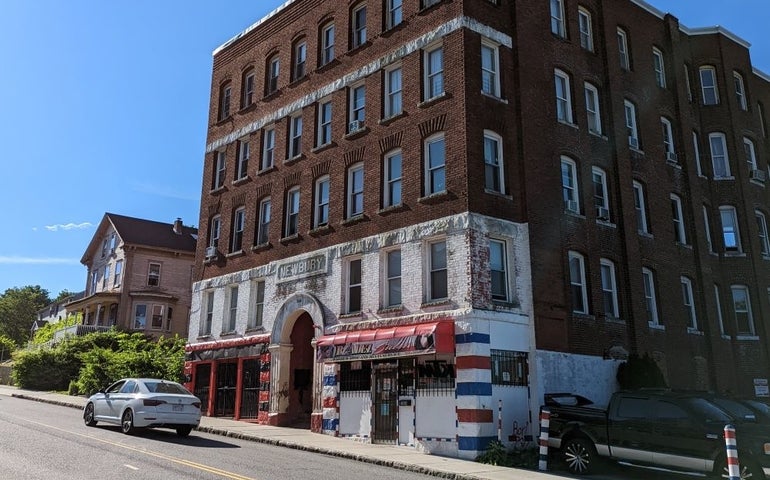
136,403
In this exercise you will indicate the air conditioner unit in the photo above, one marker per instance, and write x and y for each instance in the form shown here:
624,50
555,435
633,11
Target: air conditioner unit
355,126
633,142
211,252
571,206
671,157
758,175
602,213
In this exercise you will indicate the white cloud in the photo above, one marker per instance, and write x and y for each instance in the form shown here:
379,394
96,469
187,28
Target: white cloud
16,260
69,226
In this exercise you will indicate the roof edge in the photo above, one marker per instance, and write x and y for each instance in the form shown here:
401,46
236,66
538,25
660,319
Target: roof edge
764,76
254,25
716,29
658,13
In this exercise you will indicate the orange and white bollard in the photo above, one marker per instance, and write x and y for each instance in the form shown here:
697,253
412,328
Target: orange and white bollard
733,467
545,423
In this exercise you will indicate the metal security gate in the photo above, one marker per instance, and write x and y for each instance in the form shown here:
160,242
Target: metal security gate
250,392
385,404
202,385
227,376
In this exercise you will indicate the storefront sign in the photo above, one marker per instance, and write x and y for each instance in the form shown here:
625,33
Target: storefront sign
384,348
302,268
436,369
761,388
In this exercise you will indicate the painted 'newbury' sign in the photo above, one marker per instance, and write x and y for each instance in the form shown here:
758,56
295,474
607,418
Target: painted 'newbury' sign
302,268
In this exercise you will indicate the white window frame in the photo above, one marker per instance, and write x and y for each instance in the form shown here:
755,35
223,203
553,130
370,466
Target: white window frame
295,137
688,301
394,104
152,274
268,149
631,124
609,288
232,311
677,215
256,320
650,297
707,227
687,83
215,231
696,148
327,43
292,212
225,97
263,229
764,239
300,60
600,193
709,87
640,206
668,139
358,26
244,152
394,13
434,74
558,26
249,85
357,106
728,216
761,115
355,191
324,123
393,293
438,269
624,56
740,91
494,173
498,269
659,64
220,169
563,97
743,310
593,109
719,170
274,71
353,285
106,277
578,283
239,224
490,74
720,318
208,319
435,175
118,273
140,319
585,24
392,188
750,154
570,187
321,197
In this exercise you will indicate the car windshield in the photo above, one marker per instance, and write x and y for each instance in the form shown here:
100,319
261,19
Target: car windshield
166,387
759,406
707,410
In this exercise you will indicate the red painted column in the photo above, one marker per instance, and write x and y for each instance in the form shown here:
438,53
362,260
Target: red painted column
238,390
212,388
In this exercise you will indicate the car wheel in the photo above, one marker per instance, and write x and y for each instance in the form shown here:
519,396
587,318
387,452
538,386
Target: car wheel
88,415
183,431
127,422
750,470
579,456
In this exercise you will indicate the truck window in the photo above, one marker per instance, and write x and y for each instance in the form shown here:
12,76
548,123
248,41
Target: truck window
707,410
632,407
669,411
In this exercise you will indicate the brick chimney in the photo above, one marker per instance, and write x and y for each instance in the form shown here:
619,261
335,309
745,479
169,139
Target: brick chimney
178,226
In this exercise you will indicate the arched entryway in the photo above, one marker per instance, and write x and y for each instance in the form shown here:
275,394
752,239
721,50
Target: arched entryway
301,373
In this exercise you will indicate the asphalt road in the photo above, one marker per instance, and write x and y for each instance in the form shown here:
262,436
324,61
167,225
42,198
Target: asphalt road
40,441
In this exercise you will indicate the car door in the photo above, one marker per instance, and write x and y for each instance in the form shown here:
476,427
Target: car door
123,397
629,428
682,437
103,402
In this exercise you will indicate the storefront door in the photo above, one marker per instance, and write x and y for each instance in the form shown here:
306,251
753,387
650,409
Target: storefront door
202,385
385,403
227,376
250,391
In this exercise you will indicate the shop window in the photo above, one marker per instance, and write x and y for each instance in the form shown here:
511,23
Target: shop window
435,377
509,368
355,376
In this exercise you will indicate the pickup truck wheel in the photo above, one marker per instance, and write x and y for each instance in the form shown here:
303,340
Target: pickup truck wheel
750,470
579,456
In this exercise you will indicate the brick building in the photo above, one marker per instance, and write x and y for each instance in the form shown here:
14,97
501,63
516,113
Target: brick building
416,211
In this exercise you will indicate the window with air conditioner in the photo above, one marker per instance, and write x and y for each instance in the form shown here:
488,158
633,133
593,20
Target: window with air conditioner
569,185
631,127
601,194
577,280
668,140
357,113
593,110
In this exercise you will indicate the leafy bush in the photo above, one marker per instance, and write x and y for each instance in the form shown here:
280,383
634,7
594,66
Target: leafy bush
497,454
46,332
640,372
7,346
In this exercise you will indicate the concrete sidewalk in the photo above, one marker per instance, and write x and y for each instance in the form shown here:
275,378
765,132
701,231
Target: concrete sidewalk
403,458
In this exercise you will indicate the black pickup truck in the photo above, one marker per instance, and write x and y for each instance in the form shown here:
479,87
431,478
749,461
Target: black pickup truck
656,428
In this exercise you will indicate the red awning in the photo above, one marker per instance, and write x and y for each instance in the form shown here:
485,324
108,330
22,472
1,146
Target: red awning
407,340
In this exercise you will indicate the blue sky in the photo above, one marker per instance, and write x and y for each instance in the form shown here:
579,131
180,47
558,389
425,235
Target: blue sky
104,107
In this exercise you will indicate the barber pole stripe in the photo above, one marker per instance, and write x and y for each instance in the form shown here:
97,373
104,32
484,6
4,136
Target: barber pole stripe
545,423
500,421
731,446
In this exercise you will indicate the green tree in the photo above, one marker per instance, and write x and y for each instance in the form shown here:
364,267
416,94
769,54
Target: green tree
45,333
7,346
62,295
18,310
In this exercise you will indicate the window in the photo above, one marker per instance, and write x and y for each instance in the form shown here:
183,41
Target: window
687,82
232,312
609,289
259,304
707,226
118,272
577,280
719,160
509,368
393,280
354,286
761,114
668,140
490,80
601,194
273,71
625,62
106,277
321,217
493,162
435,165
640,207
593,110
498,270
394,13
428,3
437,284
105,245
434,73
327,44
248,84
209,318
744,321
393,88
263,228
324,123
569,185
563,97
220,164
355,190
718,302
243,159
113,242
156,321
224,101
357,108
689,303
586,29
696,147
153,275
140,317
740,91
633,134
660,68
239,219
708,85
358,26
300,58
292,212
557,18
295,136
676,211
268,149
392,193
94,282
650,302
730,234
750,154
764,240
214,230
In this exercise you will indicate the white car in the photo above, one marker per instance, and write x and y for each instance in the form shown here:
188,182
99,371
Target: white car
136,403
